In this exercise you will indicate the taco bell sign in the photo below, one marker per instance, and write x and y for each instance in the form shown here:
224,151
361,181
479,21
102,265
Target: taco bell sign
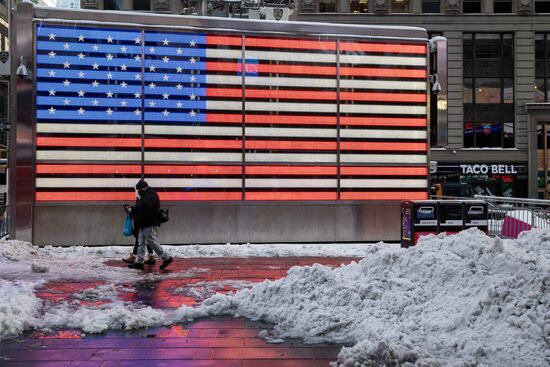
484,169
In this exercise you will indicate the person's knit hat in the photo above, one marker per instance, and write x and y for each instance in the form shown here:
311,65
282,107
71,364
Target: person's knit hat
142,184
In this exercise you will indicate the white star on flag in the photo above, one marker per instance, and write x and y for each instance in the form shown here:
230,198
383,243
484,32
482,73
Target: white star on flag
192,60
192,79
165,42
137,112
152,104
81,93
179,86
66,102
152,68
123,49
52,36
95,83
152,50
109,57
95,47
165,59
52,54
137,58
95,66
109,94
137,77
109,111
165,113
81,56
138,41
152,85
179,69
123,84
137,95
66,83
81,74
165,96
66,46
52,110
123,67
51,73
179,104
109,39
81,38
192,43
95,102
81,111
192,113
110,75
52,92
165,77
123,103
179,51
192,97
66,65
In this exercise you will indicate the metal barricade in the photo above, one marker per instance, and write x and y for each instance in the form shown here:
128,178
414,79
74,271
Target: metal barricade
508,217
4,222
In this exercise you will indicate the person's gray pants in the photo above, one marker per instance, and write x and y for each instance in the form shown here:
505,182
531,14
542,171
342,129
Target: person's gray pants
148,237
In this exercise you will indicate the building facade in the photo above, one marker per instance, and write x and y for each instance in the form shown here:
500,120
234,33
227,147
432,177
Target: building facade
497,134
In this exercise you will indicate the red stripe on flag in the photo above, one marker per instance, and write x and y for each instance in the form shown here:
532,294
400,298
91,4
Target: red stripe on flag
290,145
386,146
383,97
224,118
199,196
290,120
224,92
383,121
291,170
290,94
290,43
271,195
384,171
85,196
269,68
386,73
357,195
88,142
192,170
91,169
193,143
223,40
383,47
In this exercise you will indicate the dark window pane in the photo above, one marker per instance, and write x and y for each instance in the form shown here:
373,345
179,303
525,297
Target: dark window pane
327,7
487,90
471,6
468,135
142,5
547,90
538,91
540,53
359,6
468,111
542,6
488,46
507,46
540,68
111,5
400,6
502,7
508,90
509,135
468,88
490,68
540,138
488,135
430,6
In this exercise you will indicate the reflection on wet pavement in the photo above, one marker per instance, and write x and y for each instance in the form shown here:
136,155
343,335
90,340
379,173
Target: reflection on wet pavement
210,342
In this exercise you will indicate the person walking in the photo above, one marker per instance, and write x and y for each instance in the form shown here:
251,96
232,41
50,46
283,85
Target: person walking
145,214
132,258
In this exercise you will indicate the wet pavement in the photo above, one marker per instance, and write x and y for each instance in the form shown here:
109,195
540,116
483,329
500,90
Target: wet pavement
213,342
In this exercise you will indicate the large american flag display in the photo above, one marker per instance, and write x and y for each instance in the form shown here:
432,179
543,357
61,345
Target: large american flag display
221,116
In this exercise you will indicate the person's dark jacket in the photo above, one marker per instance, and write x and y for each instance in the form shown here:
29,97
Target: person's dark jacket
146,208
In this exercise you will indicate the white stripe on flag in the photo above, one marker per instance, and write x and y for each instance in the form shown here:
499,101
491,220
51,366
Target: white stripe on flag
382,60
290,182
382,84
68,155
193,130
383,158
88,128
290,157
291,56
382,134
297,132
130,182
383,109
385,183
191,157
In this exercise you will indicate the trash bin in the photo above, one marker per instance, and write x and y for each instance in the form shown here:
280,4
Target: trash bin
450,216
476,215
418,218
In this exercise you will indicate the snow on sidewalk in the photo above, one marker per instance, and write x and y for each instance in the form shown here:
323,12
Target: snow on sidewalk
462,300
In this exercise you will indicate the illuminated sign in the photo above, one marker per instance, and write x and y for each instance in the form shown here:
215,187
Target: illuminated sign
484,169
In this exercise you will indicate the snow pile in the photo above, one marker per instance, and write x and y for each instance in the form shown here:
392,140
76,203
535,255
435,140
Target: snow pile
19,307
117,316
462,300
16,250
106,291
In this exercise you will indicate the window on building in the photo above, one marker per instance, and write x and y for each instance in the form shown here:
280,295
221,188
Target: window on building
542,6
112,4
142,5
471,6
502,6
359,6
541,89
488,90
399,6
328,6
430,6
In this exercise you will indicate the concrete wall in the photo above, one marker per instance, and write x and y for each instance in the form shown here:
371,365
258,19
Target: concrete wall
221,223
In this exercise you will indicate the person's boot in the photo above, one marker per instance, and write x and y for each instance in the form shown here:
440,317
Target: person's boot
166,262
151,260
136,266
130,260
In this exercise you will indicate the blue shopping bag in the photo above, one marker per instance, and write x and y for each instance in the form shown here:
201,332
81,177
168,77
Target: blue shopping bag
128,227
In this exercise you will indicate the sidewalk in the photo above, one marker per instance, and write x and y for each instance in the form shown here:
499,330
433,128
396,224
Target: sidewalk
226,341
